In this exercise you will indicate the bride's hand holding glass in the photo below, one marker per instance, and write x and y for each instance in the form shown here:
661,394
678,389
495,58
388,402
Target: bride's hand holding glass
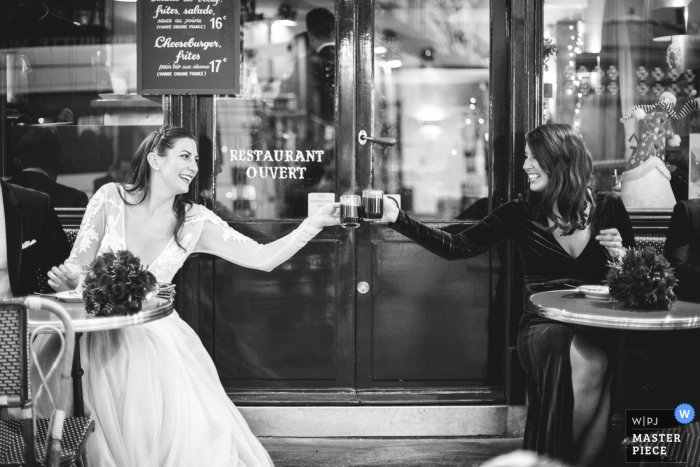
327,216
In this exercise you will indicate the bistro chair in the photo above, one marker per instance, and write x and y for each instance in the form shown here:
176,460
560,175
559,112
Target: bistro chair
30,441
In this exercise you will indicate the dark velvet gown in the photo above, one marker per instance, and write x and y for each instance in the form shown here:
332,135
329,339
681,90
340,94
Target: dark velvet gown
543,344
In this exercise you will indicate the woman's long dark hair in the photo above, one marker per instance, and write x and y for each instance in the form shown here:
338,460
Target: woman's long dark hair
563,155
138,180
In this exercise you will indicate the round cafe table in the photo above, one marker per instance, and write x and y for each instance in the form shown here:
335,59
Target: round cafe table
572,307
152,310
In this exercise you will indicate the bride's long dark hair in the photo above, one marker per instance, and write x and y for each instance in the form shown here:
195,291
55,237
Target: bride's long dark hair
563,155
138,180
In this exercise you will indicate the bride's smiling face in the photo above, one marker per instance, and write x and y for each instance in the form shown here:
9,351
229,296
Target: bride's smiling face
177,167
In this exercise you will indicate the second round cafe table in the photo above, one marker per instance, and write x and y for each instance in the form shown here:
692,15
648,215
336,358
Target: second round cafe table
152,310
572,307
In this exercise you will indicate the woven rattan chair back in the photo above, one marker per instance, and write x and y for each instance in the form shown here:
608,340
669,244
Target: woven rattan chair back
14,355
14,383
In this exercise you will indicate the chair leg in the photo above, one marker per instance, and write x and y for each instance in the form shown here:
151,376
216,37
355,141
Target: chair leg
28,435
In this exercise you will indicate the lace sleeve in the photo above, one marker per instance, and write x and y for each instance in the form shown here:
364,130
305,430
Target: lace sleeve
92,229
218,238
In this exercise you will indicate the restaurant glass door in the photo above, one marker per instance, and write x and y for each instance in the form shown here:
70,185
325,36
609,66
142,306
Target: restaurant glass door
428,330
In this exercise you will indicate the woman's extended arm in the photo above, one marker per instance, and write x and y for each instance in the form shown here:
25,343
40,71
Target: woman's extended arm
479,238
218,238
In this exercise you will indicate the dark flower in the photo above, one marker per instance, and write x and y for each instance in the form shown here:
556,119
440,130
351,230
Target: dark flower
127,256
104,281
640,272
643,279
118,291
649,254
121,272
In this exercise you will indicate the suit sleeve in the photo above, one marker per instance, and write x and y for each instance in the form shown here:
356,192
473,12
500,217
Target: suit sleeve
679,248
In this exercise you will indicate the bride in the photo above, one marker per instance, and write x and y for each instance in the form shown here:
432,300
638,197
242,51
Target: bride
152,389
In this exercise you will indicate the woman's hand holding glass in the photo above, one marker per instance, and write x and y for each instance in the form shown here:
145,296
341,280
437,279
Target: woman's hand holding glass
612,241
391,210
327,216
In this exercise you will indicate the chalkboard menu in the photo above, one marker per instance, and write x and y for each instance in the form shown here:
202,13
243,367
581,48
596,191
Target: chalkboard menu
188,46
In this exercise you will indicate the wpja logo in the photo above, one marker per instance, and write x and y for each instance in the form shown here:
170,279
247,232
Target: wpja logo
657,435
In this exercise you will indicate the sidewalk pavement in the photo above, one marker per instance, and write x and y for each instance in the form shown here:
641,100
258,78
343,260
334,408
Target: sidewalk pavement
404,452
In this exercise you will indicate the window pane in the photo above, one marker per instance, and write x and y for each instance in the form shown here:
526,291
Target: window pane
74,120
622,60
275,142
432,95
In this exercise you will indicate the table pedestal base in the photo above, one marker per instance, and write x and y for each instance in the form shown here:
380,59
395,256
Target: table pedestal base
77,374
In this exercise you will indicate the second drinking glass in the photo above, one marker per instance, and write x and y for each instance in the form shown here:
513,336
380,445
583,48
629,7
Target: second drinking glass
372,205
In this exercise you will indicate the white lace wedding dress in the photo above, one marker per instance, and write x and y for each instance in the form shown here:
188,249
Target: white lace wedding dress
152,389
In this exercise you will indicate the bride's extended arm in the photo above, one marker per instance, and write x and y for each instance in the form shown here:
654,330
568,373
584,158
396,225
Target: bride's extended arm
219,239
70,274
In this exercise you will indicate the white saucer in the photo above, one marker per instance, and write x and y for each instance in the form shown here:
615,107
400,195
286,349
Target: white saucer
595,291
70,296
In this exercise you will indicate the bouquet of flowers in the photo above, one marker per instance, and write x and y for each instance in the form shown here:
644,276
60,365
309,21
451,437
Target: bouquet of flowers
117,284
643,279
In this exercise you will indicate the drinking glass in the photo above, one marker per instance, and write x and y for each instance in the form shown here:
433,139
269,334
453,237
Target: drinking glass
350,211
372,205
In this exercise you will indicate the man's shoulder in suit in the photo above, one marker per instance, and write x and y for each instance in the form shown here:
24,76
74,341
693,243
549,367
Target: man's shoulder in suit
26,197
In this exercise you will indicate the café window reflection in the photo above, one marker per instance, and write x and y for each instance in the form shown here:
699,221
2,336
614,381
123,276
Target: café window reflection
72,116
626,74
431,82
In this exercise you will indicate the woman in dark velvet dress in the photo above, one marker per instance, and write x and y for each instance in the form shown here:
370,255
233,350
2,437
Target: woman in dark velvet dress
565,234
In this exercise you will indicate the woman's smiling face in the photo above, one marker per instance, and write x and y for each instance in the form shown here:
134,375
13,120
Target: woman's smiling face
178,166
536,175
